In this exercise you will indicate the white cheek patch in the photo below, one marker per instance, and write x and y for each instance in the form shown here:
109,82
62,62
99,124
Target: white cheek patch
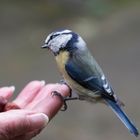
60,42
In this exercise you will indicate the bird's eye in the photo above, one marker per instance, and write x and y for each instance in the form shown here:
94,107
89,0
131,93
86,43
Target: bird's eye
53,36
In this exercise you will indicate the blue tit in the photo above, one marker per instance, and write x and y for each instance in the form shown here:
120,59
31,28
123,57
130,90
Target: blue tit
83,74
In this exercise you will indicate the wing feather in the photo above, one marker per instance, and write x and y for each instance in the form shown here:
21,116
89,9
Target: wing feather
83,69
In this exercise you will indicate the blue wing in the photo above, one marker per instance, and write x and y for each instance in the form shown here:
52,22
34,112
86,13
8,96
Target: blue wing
83,69
83,76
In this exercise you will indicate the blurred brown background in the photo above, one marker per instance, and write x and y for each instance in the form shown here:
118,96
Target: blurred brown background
111,29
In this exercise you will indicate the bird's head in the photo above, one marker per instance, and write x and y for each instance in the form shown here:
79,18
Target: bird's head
63,40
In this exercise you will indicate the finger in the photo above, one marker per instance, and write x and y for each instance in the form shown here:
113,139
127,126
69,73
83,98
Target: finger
10,106
3,103
29,93
47,92
20,124
7,92
50,104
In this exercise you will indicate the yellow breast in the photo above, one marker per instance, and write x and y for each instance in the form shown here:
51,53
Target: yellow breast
62,59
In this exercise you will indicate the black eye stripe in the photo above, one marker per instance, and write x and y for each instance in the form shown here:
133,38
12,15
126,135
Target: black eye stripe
51,37
55,35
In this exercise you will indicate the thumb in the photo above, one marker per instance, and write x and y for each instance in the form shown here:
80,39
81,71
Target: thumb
37,121
21,124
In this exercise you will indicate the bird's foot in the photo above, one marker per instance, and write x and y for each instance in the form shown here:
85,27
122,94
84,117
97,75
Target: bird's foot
64,99
56,93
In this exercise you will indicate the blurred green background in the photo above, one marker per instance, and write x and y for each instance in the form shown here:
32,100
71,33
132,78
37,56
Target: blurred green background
111,29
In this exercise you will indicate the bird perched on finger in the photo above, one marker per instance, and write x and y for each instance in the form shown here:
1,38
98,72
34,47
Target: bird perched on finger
83,74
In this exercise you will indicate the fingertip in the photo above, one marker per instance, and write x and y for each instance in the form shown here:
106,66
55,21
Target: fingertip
12,88
64,89
36,83
7,89
42,83
7,92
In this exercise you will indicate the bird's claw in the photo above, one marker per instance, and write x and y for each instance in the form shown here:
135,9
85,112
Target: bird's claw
64,99
55,93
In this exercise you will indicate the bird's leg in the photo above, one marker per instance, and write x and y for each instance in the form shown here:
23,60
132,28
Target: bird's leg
64,99
55,93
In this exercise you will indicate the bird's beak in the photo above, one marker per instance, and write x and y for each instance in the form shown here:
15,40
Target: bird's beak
45,46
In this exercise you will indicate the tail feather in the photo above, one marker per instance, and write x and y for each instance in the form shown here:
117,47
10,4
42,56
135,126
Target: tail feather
122,116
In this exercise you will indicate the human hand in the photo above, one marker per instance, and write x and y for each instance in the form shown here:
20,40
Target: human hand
34,101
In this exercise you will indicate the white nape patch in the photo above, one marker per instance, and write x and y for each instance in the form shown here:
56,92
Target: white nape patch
81,43
59,42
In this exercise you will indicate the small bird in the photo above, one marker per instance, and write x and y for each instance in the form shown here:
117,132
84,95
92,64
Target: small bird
83,74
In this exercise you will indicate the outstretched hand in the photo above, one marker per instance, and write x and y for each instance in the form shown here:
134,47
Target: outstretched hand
36,107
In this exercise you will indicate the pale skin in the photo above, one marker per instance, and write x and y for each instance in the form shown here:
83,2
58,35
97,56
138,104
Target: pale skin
34,102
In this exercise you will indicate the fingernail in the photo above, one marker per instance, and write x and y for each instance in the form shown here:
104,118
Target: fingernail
40,118
42,82
12,88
